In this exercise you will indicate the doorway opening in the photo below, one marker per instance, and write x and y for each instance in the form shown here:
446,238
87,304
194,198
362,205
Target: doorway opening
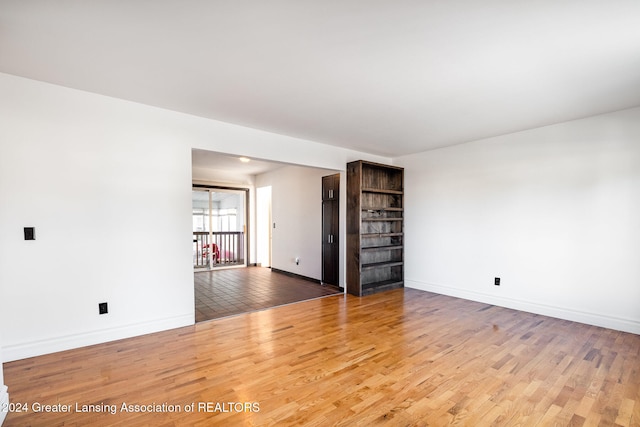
263,226
290,256
219,227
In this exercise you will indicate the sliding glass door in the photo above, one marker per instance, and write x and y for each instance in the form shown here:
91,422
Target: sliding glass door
219,228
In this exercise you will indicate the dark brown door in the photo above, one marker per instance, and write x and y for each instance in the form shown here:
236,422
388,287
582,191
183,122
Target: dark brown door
330,228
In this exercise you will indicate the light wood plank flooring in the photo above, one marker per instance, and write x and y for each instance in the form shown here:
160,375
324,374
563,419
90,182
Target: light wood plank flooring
401,358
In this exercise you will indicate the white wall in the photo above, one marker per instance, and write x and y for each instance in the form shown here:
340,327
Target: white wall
4,395
103,182
554,212
297,212
107,184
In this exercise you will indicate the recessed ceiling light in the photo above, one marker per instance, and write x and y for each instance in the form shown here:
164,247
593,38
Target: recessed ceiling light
245,159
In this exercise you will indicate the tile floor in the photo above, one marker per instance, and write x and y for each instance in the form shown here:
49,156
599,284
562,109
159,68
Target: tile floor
221,293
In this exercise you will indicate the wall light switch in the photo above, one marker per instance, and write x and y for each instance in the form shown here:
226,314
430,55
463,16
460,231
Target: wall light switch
29,233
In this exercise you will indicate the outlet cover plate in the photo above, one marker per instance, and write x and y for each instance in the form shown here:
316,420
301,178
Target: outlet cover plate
103,308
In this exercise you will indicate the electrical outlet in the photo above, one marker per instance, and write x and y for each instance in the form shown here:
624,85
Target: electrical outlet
497,281
102,308
29,233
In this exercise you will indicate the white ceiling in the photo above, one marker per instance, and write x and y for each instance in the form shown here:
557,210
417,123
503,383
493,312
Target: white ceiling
231,166
385,77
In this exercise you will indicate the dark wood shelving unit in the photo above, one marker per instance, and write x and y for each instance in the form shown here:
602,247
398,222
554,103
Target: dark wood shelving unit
375,227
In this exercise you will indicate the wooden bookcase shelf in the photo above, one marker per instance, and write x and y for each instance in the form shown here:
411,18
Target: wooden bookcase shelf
381,248
375,227
369,235
381,264
381,191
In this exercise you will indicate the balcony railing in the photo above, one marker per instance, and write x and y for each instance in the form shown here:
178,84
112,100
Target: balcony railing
227,248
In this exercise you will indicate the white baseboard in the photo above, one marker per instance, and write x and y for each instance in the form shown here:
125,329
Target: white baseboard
4,401
596,319
38,348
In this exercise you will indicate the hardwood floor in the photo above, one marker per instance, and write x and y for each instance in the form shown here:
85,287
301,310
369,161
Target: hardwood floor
221,293
402,357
